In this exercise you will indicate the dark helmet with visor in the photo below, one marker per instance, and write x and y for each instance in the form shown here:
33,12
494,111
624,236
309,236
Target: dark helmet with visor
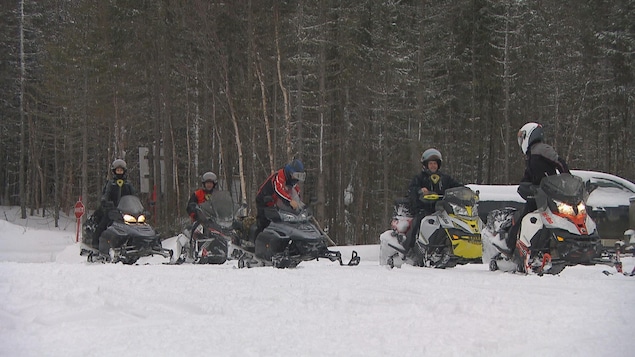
294,170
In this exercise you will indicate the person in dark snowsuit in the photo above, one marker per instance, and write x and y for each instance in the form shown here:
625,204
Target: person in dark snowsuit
278,188
112,192
541,160
429,180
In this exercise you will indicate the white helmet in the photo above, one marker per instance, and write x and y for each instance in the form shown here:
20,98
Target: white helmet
529,134
209,176
630,233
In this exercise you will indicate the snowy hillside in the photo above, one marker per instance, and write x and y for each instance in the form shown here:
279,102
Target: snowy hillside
56,304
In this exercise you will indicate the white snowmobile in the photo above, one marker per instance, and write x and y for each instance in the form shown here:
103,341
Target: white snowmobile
450,236
127,239
558,234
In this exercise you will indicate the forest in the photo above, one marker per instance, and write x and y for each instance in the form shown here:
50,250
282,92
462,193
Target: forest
355,89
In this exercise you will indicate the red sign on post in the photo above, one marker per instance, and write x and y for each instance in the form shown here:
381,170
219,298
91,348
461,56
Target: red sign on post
79,209
79,212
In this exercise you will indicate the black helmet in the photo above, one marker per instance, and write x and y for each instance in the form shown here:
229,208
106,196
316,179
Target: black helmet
431,154
295,170
117,164
209,176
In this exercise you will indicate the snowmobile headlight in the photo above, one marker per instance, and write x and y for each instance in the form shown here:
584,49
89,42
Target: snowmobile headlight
129,218
141,218
571,210
581,208
459,210
564,208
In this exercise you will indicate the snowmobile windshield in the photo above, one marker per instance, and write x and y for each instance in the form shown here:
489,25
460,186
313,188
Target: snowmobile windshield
282,204
219,208
564,187
462,200
461,195
130,204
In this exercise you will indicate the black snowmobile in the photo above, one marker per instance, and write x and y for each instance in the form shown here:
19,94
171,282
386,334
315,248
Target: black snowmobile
127,239
290,239
206,241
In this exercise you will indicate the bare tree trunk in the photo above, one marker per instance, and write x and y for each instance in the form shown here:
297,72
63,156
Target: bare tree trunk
239,146
506,130
85,142
56,182
263,97
22,116
285,94
299,103
321,194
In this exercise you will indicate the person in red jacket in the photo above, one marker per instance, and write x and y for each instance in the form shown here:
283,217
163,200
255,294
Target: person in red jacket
281,187
203,194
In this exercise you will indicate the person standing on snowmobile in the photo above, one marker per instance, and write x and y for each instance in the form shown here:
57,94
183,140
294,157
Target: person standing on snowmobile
541,160
278,187
429,180
112,192
209,180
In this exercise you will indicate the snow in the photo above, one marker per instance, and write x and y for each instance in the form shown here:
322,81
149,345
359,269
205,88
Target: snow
54,303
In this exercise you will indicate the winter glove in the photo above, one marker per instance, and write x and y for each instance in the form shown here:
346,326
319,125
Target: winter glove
114,215
191,207
200,216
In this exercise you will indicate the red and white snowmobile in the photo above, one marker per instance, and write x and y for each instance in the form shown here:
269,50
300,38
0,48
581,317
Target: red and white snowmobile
559,233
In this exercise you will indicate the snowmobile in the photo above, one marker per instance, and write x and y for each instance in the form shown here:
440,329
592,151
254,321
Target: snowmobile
206,240
450,236
127,239
558,234
390,242
290,239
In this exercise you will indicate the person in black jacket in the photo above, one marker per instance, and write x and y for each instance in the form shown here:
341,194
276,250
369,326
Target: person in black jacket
112,192
429,180
540,160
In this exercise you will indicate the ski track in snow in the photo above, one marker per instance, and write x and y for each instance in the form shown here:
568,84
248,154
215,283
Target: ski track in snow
54,303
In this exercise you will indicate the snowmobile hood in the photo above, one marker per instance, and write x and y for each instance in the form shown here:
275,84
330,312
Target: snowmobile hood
130,204
564,187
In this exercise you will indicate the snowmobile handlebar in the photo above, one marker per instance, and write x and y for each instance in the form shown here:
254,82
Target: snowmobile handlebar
430,197
527,190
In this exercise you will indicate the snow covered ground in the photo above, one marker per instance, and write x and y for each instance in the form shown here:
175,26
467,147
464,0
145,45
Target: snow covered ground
54,303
